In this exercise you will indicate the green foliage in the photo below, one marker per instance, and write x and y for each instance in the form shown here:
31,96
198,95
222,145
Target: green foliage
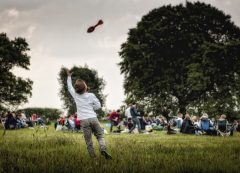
217,66
183,57
50,113
3,109
95,85
13,53
157,152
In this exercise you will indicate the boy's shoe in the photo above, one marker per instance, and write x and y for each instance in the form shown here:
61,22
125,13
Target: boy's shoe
106,155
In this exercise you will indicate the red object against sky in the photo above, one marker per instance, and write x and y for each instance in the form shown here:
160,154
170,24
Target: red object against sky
92,28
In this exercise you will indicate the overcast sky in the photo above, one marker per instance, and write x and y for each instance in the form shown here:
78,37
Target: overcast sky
56,33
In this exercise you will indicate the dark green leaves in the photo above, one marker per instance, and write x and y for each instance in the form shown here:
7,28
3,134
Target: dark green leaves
183,56
13,53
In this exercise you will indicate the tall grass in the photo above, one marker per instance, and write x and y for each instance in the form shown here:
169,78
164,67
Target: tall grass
50,151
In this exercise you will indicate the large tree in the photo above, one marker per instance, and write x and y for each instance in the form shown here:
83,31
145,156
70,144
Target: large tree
13,90
90,76
177,56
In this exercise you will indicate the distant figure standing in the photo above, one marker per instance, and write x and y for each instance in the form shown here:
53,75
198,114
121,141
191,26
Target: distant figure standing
115,120
128,116
34,118
86,104
128,113
135,119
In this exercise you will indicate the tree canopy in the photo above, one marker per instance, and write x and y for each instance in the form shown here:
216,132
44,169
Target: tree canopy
13,53
184,56
95,85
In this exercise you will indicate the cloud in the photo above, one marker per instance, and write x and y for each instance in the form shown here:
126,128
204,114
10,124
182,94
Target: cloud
13,13
30,31
228,2
22,5
110,42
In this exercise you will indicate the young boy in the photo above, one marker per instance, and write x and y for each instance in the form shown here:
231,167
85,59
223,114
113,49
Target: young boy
86,104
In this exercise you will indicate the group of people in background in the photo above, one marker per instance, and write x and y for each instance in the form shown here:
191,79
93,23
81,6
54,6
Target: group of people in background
132,119
68,123
205,125
18,120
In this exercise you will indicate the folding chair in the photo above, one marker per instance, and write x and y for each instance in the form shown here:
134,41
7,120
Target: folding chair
223,129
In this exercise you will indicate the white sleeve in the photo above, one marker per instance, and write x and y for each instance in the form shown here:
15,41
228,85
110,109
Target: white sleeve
70,87
96,103
126,113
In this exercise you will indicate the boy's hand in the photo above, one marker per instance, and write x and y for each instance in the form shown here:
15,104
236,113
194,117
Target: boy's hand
69,73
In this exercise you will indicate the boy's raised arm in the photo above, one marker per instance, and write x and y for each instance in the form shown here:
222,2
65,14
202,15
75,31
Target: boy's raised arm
69,84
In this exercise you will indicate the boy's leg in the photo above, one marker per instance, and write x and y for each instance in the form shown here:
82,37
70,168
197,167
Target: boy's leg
87,132
98,132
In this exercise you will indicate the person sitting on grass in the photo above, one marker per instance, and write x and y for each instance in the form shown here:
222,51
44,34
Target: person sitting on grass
11,122
20,121
86,103
115,120
235,125
158,121
149,120
29,122
61,121
238,125
143,123
161,120
77,123
223,124
179,120
187,125
40,121
128,124
206,125
71,122
196,124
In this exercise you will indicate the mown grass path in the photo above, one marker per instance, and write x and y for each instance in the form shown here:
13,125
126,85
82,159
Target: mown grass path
29,150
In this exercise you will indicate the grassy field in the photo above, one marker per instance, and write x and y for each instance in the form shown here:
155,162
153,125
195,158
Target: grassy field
29,150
